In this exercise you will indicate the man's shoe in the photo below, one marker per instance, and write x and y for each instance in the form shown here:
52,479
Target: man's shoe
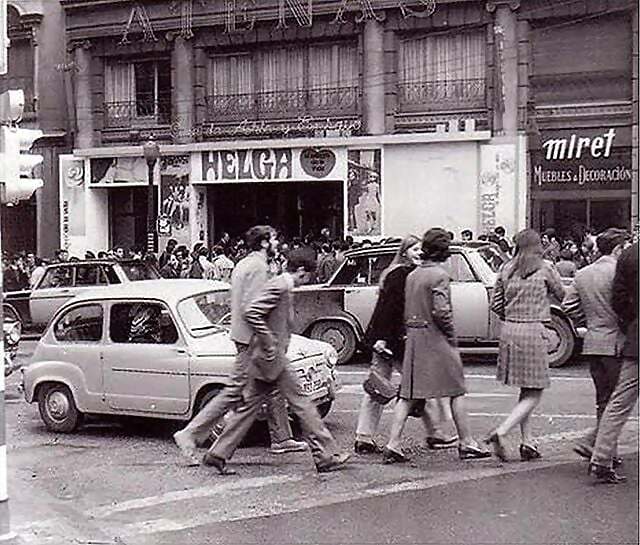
472,452
529,452
219,463
437,443
495,441
617,462
289,445
582,450
336,462
605,474
366,447
187,447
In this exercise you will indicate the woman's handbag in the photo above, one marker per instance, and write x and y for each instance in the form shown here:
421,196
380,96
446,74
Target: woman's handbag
380,388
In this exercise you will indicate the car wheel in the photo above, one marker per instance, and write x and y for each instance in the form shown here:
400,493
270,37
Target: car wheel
339,335
202,402
58,408
324,408
561,341
10,313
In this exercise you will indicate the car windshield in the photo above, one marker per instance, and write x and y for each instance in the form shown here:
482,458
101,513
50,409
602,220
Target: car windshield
137,270
205,313
494,257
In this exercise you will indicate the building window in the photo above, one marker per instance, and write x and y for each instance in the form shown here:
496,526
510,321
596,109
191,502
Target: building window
138,93
442,72
284,82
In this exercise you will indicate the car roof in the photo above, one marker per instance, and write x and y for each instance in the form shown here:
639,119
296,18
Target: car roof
169,290
96,262
390,247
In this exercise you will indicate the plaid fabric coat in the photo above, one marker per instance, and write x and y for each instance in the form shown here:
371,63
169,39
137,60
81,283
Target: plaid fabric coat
523,305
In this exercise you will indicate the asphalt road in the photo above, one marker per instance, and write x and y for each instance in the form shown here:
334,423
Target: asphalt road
124,482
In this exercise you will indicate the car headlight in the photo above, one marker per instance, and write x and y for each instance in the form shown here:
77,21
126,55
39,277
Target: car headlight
331,355
14,334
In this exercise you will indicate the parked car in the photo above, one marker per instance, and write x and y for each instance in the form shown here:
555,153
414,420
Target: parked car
339,311
12,333
60,282
157,348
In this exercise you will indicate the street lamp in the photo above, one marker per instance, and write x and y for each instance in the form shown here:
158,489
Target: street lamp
151,154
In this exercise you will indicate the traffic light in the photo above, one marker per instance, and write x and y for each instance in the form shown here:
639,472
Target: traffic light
16,166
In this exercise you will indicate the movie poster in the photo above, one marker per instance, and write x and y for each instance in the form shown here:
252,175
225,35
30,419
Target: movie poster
364,192
173,213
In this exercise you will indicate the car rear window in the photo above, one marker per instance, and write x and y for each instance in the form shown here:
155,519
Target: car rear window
80,324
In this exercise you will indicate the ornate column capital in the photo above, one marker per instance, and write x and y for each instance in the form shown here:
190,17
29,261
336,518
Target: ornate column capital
492,5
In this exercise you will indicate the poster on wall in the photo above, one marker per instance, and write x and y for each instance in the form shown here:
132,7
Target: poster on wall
119,170
496,188
72,197
364,192
173,214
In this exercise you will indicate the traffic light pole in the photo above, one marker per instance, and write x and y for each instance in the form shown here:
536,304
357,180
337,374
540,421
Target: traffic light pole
5,526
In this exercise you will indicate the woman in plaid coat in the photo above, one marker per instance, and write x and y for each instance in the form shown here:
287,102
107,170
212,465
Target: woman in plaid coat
521,299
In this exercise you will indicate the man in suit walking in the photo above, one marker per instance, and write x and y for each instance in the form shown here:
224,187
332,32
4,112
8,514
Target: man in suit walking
270,316
589,299
247,279
623,399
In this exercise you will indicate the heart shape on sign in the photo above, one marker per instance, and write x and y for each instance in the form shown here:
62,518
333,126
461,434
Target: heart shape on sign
317,162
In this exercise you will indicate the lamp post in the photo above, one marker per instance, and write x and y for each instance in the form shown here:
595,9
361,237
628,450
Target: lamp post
151,154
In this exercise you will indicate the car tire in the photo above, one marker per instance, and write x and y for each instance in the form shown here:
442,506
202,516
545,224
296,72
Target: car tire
339,335
58,408
324,408
205,398
561,340
10,312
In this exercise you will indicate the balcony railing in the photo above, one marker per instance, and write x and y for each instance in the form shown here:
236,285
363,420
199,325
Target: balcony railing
336,101
140,112
442,95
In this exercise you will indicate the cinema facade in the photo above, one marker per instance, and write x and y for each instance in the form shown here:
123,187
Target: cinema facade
371,118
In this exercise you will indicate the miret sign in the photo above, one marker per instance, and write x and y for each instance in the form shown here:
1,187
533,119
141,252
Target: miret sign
589,159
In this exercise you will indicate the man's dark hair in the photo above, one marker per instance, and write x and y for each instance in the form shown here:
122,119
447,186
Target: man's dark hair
483,237
172,243
550,232
467,232
566,254
256,235
300,261
435,244
609,239
500,231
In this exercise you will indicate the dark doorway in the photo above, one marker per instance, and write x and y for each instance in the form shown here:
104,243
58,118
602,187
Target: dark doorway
128,217
293,208
610,213
19,227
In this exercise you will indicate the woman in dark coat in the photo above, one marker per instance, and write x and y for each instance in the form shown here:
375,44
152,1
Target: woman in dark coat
431,367
385,336
521,301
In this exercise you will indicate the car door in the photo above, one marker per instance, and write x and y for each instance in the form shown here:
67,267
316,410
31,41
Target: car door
146,362
54,289
361,285
469,299
78,335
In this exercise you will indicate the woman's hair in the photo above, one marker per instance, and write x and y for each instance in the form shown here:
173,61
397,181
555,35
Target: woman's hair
401,256
527,257
435,245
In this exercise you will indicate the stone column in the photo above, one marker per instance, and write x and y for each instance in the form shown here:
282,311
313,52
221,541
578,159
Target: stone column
84,137
505,28
374,79
183,107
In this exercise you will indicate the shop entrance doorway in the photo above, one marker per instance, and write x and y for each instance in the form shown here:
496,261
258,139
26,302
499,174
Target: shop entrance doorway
128,217
293,208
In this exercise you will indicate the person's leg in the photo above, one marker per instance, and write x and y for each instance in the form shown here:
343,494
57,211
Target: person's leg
321,442
528,400
525,428
278,421
197,431
436,414
240,420
616,413
400,414
370,410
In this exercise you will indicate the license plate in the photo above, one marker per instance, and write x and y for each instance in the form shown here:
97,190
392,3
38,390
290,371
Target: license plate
312,387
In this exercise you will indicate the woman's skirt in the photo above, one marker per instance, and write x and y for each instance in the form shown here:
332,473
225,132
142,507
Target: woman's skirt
523,358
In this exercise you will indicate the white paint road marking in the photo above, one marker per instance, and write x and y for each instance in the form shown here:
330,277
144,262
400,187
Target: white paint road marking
578,416
357,389
363,374
181,495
